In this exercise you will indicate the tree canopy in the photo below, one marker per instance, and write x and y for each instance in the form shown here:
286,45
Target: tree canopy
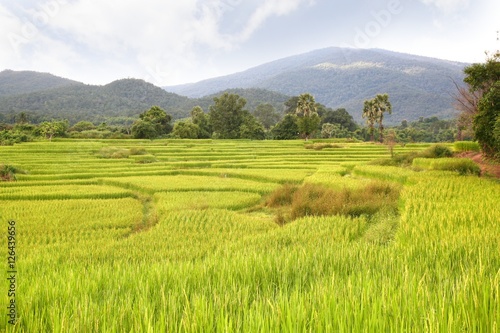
484,81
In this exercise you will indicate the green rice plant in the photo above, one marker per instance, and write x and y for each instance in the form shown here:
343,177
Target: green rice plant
464,166
153,184
463,146
205,200
183,254
144,159
54,192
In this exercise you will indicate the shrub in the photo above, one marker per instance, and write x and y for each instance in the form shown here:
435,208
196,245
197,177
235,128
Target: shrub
138,151
8,173
114,152
282,196
315,199
321,146
436,151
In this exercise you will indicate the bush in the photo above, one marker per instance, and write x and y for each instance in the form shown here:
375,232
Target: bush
8,173
321,146
282,196
114,152
315,199
463,146
436,151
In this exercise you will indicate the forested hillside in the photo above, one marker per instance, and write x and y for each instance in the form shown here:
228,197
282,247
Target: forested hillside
418,86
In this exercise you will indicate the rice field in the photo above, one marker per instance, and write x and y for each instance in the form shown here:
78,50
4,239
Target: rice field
185,243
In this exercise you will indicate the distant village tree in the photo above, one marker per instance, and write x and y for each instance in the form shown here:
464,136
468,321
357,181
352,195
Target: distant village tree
308,119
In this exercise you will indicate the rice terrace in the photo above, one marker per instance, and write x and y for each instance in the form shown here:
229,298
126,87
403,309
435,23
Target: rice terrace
248,236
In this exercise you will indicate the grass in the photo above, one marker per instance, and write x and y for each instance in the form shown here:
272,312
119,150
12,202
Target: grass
192,247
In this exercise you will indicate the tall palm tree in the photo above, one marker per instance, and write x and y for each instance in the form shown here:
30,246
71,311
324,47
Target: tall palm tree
306,105
382,105
308,120
370,113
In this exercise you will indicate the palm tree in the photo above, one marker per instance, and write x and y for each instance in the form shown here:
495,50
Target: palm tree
370,113
306,105
308,120
382,105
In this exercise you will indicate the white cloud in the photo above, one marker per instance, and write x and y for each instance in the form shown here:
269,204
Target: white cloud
447,6
162,41
267,9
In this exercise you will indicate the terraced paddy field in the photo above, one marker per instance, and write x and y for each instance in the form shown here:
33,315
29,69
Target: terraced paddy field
179,236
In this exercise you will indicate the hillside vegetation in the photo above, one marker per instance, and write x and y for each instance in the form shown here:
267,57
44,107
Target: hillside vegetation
338,78
418,86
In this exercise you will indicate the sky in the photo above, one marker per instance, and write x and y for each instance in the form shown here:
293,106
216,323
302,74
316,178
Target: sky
169,42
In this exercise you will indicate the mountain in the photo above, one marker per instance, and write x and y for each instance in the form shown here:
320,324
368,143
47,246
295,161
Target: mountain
75,102
23,82
50,97
339,77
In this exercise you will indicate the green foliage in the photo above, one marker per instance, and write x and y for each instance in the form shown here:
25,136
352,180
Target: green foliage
286,129
373,111
8,138
251,128
226,115
436,151
82,126
485,79
153,123
307,117
267,115
50,129
186,130
8,172
202,120
340,117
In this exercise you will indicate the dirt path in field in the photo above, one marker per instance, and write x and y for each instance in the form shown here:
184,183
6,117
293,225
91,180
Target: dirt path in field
487,167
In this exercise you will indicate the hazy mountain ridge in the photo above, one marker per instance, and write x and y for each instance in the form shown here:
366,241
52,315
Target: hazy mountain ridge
23,82
120,98
417,86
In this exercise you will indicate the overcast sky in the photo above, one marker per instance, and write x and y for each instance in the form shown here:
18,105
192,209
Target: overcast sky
169,42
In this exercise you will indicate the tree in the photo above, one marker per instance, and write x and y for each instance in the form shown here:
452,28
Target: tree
370,114
484,82
251,128
142,129
382,106
328,130
341,117
22,118
308,119
226,116
151,124
82,126
186,130
50,129
373,111
267,115
286,129
291,105
200,118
